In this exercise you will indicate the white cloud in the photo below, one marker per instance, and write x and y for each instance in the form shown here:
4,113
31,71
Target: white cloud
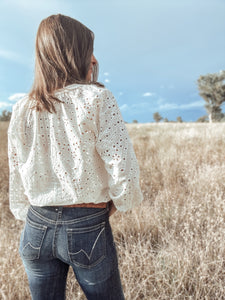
107,80
5,104
13,98
168,106
160,105
123,107
16,97
174,106
10,55
148,94
199,103
106,73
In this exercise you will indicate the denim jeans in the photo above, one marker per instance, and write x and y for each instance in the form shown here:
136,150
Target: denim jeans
55,238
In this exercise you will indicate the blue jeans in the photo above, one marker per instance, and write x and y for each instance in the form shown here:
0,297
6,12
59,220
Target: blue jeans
55,238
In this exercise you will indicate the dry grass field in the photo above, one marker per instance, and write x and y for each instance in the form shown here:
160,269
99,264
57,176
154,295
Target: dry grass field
170,247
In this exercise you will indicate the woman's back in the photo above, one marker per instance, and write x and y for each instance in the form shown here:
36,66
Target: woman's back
73,155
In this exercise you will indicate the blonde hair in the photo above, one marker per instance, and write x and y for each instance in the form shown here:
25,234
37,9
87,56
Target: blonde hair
64,48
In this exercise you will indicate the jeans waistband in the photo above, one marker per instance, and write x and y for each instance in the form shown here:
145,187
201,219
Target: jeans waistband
65,215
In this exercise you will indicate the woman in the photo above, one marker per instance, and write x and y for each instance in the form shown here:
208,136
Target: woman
72,165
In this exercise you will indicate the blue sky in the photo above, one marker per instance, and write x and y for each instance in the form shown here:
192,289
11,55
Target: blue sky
150,52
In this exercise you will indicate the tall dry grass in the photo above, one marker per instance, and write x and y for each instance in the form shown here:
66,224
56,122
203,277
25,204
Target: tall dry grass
170,247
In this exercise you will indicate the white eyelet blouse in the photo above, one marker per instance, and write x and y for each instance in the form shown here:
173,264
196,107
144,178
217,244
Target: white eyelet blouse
80,154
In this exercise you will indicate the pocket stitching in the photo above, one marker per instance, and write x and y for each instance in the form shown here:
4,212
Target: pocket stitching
43,228
35,225
71,231
82,250
86,229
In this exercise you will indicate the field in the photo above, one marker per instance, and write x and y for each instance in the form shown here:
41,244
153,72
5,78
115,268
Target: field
170,247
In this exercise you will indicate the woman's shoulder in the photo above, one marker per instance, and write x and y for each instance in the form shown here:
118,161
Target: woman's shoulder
21,105
85,92
19,113
22,100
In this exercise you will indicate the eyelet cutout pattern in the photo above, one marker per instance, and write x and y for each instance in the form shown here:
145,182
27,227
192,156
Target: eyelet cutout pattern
81,153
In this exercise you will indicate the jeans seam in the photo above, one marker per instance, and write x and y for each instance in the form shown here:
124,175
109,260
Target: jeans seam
54,241
85,229
41,217
35,225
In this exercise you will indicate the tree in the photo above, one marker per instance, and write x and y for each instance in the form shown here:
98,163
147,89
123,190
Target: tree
5,116
165,120
212,90
135,121
202,119
179,120
157,117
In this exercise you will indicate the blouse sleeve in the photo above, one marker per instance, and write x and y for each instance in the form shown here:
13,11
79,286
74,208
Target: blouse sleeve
18,201
116,150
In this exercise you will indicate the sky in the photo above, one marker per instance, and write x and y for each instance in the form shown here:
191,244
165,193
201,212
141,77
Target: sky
150,52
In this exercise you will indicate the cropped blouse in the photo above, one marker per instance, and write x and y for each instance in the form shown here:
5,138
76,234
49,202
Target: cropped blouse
80,154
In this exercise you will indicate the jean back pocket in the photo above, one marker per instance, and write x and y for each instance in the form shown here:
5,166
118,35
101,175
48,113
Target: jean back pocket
87,245
31,240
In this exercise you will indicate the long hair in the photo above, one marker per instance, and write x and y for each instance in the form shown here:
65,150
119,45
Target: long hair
63,53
